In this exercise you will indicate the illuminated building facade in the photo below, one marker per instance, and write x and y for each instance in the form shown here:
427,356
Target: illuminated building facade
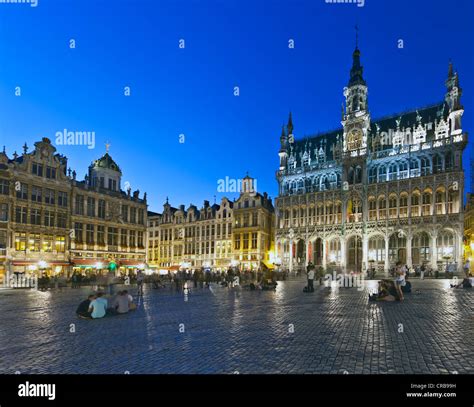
52,223
191,238
374,192
230,234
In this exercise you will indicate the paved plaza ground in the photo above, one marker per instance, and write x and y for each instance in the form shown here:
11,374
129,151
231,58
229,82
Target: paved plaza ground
234,330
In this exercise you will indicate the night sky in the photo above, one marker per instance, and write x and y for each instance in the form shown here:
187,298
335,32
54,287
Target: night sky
190,91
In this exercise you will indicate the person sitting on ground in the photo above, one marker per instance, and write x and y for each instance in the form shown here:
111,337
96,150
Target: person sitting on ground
465,283
83,308
132,305
384,293
122,302
98,307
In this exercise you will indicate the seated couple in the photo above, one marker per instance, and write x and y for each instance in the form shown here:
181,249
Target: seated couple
386,292
96,306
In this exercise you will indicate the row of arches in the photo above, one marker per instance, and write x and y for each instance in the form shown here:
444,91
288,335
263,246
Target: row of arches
382,250
418,202
410,168
317,183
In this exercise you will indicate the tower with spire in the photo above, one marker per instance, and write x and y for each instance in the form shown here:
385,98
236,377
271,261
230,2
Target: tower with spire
356,118
453,101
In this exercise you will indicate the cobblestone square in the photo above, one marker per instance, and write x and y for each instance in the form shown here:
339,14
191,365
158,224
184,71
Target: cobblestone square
221,330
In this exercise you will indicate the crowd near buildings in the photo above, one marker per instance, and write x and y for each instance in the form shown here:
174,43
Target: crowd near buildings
365,196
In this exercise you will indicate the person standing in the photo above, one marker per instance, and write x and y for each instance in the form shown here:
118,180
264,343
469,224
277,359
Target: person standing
140,280
467,268
310,273
400,280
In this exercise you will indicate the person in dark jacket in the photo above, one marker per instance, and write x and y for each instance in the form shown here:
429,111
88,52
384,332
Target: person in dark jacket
83,308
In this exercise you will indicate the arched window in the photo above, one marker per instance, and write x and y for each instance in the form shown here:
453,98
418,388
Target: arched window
376,249
392,206
357,210
426,203
449,161
372,175
358,175
316,184
324,183
382,173
332,181
420,248
372,208
320,214
338,212
382,207
415,203
440,201
403,205
437,164
397,248
351,176
334,251
403,169
445,245
414,168
300,186
453,201
425,166
393,172
329,213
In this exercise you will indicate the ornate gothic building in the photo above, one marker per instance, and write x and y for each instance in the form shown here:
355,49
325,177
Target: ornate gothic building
374,192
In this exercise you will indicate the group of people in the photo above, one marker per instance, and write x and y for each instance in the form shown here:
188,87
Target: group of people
97,306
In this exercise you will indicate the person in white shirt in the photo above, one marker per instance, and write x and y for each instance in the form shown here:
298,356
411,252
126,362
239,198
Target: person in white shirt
310,273
400,280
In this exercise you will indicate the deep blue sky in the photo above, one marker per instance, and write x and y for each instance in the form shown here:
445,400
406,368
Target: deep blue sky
228,43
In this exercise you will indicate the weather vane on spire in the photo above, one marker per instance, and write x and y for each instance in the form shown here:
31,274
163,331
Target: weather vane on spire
107,147
357,35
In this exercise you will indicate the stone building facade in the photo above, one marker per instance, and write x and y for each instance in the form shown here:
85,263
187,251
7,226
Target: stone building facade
374,192
191,238
230,234
52,223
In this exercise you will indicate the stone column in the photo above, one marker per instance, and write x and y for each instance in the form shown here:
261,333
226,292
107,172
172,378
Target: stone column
387,263
291,255
409,258
343,254
365,252
434,251
458,252
324,253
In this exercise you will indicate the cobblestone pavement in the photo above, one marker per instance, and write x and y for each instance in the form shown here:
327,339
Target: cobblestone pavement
234,330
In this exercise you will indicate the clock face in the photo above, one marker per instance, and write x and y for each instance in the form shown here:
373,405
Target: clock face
354,140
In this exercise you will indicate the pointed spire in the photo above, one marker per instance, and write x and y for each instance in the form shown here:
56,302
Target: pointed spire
290,124
166,203
450,70
357,36
25,148
357,69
